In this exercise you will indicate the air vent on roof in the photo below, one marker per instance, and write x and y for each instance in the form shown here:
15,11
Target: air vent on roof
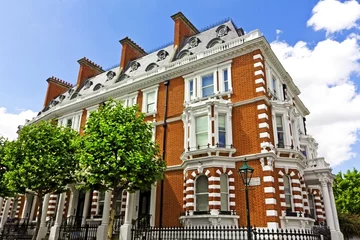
213,42
98,86
88,84
183,53
61,98
110,75
151,66
193,42
222,30
162,54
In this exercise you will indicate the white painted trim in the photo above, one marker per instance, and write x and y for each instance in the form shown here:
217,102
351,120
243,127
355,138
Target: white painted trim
269,179
270,201
259,72
260,89
258,56
258,64
260,80
269,189
271,213
263,115
263,125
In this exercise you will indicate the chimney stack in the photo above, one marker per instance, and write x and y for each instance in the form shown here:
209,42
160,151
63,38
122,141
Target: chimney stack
130,51
87,69
56,87
183,28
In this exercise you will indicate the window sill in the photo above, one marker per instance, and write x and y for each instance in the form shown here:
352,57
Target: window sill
150,113
210,151
217,95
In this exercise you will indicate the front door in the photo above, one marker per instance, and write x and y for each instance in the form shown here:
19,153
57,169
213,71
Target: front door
144,208
80,204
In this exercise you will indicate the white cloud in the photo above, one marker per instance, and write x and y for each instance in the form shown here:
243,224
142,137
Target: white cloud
324,75
334,16
9,122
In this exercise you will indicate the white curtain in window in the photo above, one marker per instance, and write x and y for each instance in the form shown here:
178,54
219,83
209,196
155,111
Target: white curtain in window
224,190
202,193
202,131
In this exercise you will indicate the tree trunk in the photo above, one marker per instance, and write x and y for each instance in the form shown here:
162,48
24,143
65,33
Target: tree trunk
112,213
38,221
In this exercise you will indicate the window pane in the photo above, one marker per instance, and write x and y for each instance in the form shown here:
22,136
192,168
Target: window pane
226,86
69,122
202,202
280,131
202,124
150,107
224,202
207,85
223,183
151,97
286,184
288,202
202,184
225,74
222,131
191,89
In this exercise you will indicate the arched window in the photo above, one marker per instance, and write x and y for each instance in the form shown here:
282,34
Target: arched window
183,53
202,193
97,87
224,192
213,42
288,193
151,66
312,205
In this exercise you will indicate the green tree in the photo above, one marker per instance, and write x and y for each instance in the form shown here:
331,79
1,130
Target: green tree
42,161
118,152
4,189
349,225
347,192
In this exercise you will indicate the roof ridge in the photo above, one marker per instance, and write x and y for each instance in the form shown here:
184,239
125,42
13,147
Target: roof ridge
60,81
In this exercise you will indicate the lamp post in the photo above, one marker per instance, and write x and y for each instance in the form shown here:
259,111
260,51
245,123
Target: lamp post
246,173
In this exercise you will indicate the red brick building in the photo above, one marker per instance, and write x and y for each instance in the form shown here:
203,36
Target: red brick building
223,96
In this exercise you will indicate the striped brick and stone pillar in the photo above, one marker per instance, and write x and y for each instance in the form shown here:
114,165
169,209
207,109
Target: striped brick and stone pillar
94,203
320,216
52,205
271,206
296,192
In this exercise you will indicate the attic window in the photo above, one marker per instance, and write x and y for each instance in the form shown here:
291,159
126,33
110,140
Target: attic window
75,95
87,84
222,31
183,53
213,42
98,86
70,91
134,66
193,42
162,54
110,75
61,98
54,102
121,78
151,66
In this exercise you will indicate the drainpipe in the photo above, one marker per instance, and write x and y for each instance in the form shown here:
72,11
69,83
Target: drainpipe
166,83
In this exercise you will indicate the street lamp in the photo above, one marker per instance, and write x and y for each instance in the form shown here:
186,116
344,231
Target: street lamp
246,173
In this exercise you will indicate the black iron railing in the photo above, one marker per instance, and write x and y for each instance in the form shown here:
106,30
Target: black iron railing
86,232
18,228
118,221
221,232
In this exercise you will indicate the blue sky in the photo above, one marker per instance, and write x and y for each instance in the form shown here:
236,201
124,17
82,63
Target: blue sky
43,38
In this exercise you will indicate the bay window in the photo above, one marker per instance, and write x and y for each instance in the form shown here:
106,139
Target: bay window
224,192
214,80
312,205
222,131
202,193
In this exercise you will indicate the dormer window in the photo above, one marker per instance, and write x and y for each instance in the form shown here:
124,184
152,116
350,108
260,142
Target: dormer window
162,54
88,84
54,103
121,78
183,53
151,66
98,86
70,91
134,66
193,42
110,75
213,42
75,95
222,31
61,98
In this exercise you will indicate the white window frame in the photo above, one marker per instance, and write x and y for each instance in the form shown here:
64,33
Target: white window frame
218,81
75,118
278,111
219,110
193,115
90,110
291,192
145,92
126,99
196,194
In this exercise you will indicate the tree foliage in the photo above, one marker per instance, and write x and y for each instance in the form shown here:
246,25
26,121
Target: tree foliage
42,160
347,192
349,225
118,152
4,189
